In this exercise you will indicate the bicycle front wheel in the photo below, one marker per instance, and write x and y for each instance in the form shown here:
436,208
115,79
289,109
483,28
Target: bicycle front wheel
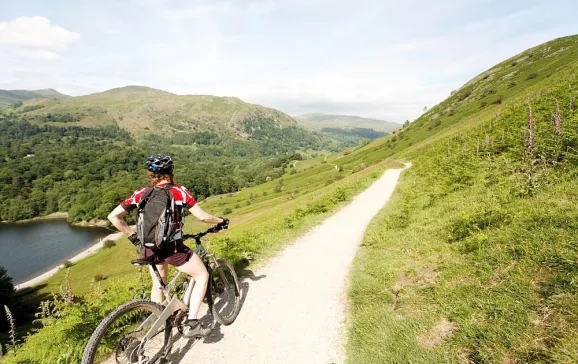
119,338
226,292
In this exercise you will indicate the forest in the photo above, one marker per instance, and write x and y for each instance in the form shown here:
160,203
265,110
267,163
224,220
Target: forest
87,171
352,136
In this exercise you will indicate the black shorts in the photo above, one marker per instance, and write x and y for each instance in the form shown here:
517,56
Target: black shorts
168,254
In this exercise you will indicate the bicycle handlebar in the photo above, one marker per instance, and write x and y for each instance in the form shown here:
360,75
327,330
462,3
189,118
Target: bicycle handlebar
212,230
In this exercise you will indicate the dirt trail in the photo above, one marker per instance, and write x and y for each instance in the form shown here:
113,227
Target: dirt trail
295,307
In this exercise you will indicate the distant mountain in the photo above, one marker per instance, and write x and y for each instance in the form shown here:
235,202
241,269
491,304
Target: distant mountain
317,121
8,97
143,110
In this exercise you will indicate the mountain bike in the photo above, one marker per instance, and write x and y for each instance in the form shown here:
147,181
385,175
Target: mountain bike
141,331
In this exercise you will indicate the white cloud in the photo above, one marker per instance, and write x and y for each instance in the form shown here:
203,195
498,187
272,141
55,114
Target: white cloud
38,54
35,32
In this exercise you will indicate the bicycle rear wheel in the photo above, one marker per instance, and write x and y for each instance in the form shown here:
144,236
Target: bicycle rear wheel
118,338
226,292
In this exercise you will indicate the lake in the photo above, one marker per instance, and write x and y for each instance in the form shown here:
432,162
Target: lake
29,249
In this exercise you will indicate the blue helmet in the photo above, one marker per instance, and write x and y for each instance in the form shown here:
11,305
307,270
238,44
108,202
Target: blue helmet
159,163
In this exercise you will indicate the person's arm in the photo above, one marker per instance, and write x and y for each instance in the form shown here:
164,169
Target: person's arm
116,218
200,214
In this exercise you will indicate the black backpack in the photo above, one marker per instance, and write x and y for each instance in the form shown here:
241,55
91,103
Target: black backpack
156,216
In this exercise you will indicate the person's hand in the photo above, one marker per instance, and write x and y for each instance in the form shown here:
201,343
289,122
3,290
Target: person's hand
223,225
133,238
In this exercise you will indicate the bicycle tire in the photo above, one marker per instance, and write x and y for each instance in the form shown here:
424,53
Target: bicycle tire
223,267
90,351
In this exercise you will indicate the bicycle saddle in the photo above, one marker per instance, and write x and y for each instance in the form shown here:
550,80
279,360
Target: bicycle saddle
141,262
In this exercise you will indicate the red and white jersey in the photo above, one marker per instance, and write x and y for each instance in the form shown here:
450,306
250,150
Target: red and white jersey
182,196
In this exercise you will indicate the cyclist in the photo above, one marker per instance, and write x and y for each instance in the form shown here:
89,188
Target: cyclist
160,170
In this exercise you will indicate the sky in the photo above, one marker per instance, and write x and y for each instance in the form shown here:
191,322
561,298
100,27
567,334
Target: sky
384,59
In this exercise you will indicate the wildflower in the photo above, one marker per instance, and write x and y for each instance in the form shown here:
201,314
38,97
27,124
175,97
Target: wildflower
558,120
12,323
530,129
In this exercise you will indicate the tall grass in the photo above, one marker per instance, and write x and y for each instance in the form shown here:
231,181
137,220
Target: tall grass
474,258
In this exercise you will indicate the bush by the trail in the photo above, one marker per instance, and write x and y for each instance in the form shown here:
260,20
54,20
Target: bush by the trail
98,277
108,243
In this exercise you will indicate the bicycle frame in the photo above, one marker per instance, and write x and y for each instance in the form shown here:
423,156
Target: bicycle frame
172,303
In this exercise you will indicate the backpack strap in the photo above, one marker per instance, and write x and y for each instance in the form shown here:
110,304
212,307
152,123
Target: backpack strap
144,199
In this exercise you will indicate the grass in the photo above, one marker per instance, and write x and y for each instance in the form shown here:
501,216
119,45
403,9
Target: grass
474,258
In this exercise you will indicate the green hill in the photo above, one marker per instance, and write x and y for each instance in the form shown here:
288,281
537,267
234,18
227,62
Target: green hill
142,110
474,259
8,97
67,155
317,121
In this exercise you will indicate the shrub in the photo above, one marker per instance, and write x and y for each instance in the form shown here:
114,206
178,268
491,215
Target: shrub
511,84
483,104
293,171
514,63
532,75
98,277
67,264
498,100
227,211
108,243
265,193
488,92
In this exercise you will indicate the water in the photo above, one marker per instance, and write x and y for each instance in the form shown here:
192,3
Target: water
29,249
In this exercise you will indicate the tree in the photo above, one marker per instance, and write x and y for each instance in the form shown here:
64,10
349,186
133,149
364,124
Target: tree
406,124
363,142
6,287
6,291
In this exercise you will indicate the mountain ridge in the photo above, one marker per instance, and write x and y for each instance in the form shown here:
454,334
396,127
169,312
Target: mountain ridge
8,97
142,110
317,121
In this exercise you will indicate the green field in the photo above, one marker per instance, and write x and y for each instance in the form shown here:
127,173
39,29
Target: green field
474,259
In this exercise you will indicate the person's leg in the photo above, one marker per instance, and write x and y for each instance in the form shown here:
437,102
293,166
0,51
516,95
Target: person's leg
156,291
196,269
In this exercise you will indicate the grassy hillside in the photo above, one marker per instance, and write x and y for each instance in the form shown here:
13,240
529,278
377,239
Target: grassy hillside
9,97
142,110
317,121
475,258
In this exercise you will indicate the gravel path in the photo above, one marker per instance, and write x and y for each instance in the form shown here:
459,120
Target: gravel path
295,307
